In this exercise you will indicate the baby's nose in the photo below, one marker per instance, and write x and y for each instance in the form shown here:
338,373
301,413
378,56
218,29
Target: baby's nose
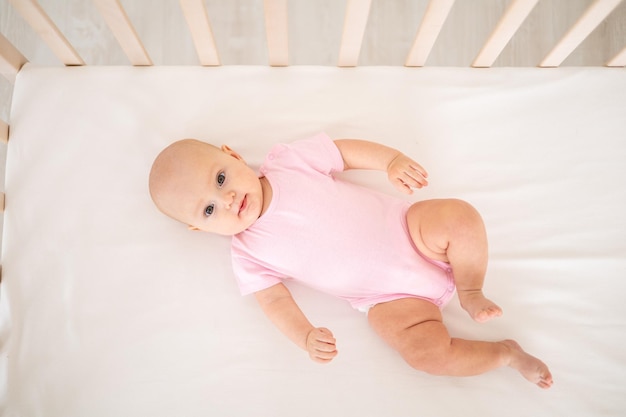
229,198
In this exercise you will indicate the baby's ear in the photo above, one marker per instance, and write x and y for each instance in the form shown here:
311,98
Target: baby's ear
229,151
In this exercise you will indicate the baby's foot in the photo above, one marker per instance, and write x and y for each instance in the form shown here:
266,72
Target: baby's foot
478,306
530,367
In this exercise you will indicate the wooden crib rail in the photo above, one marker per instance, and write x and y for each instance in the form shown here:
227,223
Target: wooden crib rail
276,18
198,21
510,22
117,19
4,131
428,31
11,60
46,29
592,17
357,13
277,30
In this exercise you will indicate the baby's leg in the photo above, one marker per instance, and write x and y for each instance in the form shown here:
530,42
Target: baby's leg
414,328
452,231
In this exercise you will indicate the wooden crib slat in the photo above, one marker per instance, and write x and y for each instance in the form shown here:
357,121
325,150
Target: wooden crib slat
11,60
277,31
591,18
618,60
510,22
357,13
4,131
432,22
4,137
198,21
116,18
37,18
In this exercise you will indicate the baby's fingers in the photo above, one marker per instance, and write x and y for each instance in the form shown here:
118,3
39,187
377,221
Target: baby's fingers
321,345
323,355
414,178
405,183
407,174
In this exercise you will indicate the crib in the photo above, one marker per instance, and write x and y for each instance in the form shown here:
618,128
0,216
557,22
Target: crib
108,308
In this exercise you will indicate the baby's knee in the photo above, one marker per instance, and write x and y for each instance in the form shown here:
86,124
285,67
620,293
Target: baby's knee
432,360
462,214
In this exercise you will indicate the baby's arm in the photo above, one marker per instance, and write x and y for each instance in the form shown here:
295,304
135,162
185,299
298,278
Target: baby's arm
280,307
404,173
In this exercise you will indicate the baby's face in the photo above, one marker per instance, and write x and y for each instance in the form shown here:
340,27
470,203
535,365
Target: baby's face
211,189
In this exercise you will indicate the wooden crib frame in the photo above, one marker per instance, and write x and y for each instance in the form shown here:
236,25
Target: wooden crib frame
276,24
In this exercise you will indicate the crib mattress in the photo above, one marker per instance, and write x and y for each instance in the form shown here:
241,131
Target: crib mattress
111,309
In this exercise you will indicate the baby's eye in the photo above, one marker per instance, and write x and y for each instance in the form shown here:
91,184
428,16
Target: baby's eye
209,210
221,177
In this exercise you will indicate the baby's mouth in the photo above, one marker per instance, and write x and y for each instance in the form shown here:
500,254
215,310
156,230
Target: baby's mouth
244,204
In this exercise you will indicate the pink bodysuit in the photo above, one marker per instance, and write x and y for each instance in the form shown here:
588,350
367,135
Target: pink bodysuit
340,238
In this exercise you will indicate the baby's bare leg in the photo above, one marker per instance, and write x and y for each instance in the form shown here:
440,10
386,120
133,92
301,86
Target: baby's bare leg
453,231
414,328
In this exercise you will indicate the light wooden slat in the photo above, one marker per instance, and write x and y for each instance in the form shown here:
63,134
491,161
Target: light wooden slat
432,22
357,12
4,131
123,30
618,60
277,30
591,18
198,21
11,60
4,137
37,18
510,22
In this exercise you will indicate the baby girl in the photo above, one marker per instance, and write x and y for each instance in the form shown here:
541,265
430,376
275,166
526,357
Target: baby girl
400,262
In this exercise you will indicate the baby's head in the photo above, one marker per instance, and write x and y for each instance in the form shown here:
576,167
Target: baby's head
206,187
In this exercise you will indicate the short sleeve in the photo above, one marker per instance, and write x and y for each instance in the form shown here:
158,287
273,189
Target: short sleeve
251,276
318,153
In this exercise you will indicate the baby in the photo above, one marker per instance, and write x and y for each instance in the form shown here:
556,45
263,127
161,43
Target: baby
399,262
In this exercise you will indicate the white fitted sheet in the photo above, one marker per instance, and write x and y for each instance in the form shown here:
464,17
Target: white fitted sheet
110,309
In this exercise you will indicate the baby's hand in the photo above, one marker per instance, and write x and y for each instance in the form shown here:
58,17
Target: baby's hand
320,344
406,174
